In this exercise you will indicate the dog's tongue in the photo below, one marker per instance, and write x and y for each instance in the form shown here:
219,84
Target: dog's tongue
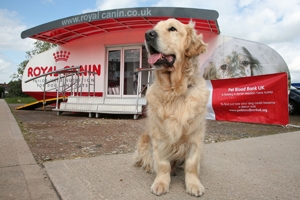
154,58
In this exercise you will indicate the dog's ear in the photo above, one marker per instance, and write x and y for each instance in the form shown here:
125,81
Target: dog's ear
209,72
256,68
194,44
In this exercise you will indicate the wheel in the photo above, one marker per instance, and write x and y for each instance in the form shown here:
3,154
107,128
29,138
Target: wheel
292,107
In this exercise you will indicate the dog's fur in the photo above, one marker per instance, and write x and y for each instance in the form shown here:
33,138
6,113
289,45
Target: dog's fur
240,58
176,106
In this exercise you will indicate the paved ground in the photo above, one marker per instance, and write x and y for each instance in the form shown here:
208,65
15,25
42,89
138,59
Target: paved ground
257,168
265,167
20,176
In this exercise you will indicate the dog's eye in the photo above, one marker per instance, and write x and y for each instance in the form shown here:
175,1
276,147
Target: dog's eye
224,67
245,63
172,29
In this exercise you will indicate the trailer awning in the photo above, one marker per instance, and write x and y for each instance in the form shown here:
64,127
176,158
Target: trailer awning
75,27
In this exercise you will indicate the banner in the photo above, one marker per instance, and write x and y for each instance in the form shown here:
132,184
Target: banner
255,99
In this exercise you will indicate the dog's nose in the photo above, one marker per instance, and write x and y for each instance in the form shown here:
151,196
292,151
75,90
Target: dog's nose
150,35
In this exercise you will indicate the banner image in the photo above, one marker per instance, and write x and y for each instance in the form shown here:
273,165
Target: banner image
260,99
232,58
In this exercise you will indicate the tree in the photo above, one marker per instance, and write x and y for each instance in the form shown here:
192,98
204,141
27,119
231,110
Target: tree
18,75
38,47
15,89
2,90
16,82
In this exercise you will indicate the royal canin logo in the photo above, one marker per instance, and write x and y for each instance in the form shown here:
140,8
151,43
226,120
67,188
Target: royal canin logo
39,70
34,71
61,56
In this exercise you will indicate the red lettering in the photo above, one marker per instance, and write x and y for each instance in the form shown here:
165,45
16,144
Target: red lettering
91,68
55,70
44,69
50,70
37,71
29,72
97,69
84,69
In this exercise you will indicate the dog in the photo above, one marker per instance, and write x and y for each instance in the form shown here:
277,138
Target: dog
240,58
176,106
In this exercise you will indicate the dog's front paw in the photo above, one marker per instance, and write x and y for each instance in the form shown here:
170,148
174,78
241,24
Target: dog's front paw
159,188
195,189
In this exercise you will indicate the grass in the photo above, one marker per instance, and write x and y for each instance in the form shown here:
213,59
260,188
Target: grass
23,100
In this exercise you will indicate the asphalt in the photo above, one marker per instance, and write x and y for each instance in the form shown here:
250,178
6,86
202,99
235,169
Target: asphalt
265,167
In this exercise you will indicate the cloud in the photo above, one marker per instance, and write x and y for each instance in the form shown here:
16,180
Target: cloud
264,22
109,4
295,69
10,31
11,44
6,66
48,1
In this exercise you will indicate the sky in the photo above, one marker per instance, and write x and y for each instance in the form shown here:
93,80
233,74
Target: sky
275,23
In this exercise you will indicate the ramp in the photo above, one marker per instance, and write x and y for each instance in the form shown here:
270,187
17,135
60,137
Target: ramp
40,103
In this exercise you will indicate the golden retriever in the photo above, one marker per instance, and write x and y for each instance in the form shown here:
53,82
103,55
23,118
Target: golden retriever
176,106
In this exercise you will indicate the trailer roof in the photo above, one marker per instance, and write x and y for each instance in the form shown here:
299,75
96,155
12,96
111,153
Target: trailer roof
75,27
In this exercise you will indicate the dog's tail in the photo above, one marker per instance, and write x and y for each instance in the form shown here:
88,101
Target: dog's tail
143,153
